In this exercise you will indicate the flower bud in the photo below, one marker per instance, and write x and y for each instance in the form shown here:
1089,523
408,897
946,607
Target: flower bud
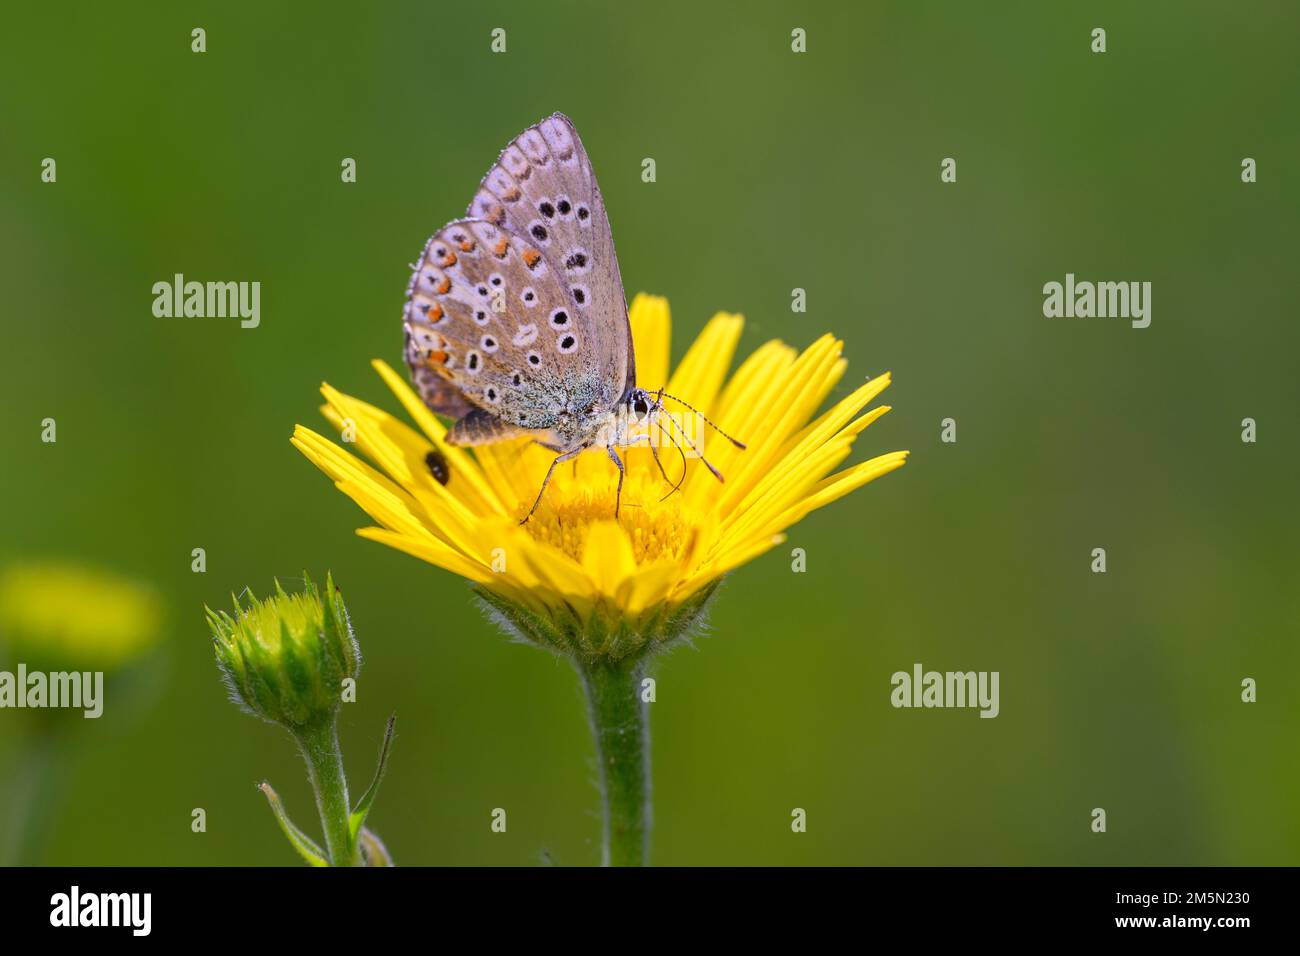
285,658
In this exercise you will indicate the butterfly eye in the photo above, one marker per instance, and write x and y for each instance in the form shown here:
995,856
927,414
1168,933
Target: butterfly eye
640,407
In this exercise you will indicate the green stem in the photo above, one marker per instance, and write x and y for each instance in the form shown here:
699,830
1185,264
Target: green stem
319,742
620,723
36,787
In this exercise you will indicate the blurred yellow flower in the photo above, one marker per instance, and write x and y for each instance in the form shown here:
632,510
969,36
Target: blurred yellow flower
71,614
580,574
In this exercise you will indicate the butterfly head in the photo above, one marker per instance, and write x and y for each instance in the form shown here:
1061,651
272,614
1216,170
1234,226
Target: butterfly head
640,406
640,410
643,407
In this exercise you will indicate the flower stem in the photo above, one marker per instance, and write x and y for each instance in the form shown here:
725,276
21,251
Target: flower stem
37,785
620,723
319,742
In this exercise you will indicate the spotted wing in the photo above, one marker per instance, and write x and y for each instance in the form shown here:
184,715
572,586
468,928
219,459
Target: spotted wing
490,325
543,188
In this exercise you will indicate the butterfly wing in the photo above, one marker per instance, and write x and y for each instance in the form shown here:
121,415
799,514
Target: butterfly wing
543,189
439,393
491,327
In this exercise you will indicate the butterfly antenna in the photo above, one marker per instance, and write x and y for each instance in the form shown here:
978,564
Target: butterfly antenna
677,486
659,404
739,444
686,438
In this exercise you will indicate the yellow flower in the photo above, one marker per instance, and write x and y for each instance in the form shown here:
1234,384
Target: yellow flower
81,617
573,577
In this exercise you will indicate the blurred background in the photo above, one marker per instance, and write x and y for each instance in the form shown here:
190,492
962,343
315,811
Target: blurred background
775,170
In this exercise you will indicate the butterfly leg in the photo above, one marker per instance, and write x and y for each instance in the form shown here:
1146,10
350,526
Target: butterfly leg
677,485
618,494
654,453
547,480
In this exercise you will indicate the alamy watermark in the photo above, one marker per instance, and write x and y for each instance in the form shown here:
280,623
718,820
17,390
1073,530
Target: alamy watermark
922,688
82,690
213,300
75,908
1102,300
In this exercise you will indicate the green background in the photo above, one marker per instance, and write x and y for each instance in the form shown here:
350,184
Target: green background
775,171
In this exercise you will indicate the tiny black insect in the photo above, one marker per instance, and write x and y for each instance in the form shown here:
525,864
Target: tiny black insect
438,467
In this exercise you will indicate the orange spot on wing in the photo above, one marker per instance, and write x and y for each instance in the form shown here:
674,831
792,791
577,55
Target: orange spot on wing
500,249
530,257
443,287
435,359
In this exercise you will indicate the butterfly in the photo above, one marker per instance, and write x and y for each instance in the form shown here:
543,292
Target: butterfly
516,321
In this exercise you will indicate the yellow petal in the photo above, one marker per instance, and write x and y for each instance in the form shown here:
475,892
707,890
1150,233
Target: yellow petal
431,550
377,495
793,400
607,557
698,378
480,493
835,419
401,452
651,338
730,559
840,484
797,470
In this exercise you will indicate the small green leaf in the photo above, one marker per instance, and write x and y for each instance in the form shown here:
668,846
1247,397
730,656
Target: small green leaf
363,805
373,851
309,851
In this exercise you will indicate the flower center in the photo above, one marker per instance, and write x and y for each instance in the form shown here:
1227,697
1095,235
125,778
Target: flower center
656,529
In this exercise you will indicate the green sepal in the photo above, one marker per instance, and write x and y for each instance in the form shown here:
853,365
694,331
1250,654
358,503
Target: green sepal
601,635
304,844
